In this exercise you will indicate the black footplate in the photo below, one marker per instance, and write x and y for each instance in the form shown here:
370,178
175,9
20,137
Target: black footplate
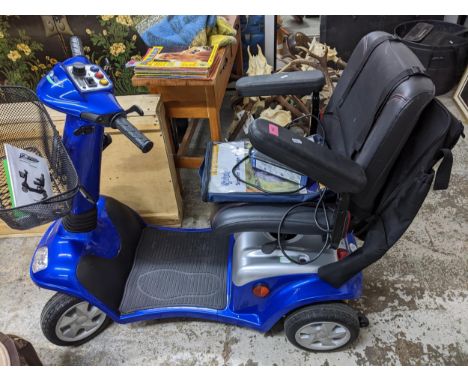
174,268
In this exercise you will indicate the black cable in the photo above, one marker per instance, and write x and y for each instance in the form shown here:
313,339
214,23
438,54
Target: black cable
348,248
319,123
296,119
285,215
280,225
326,230
236,166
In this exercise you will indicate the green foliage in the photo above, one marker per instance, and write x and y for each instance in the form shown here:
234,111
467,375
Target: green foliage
19,64
116,41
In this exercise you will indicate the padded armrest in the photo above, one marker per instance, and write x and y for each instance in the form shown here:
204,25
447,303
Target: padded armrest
287,83
319,163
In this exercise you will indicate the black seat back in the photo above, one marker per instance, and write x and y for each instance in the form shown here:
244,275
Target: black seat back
384,117
374,109
385,133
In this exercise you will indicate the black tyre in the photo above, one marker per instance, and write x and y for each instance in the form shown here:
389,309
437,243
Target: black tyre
322,327
70,321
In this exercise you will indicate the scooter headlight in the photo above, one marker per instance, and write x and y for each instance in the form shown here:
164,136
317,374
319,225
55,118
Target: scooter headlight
41,259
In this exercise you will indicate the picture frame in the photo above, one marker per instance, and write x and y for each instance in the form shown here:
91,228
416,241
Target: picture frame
461,94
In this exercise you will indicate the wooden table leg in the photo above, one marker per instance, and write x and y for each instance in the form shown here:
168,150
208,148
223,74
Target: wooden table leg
239,62
215,124
188,162
193,125
181,159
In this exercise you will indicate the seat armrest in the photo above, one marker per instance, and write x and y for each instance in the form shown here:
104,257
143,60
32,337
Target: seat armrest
318,162
287,83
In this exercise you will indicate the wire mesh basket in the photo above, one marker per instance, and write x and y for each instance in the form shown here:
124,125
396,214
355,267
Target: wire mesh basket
25,124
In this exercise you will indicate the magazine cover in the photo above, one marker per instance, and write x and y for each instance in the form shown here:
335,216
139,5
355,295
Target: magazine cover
196,57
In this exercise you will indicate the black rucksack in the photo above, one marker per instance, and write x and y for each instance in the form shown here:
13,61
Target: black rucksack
431,141
408,184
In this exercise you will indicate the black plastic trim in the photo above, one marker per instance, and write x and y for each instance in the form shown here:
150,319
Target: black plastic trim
250,217
105,278
84,222
285,83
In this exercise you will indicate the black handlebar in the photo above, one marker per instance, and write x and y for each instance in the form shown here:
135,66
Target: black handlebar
76,46
132,133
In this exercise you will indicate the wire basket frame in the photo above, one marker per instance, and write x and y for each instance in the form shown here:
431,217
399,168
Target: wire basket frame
25,123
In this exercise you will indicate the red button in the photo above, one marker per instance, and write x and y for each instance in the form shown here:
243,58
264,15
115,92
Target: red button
99,75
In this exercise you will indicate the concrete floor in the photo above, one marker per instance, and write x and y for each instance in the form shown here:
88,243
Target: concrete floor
415,299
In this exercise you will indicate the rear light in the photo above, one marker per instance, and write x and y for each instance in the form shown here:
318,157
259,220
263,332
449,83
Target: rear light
341,253
261,290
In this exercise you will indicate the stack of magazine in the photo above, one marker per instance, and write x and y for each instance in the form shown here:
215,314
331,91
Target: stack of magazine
197,62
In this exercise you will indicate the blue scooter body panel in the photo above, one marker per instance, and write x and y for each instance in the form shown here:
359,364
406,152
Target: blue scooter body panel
243,307
57,91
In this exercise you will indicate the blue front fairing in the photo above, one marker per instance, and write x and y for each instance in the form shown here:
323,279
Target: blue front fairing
58,91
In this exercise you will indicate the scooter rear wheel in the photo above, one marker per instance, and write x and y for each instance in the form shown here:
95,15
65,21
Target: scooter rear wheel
70,321
322,327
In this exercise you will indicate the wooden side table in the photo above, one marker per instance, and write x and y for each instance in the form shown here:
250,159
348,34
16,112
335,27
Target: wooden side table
197,98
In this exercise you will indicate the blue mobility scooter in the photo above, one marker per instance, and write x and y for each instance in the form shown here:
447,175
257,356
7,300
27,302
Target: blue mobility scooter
260,264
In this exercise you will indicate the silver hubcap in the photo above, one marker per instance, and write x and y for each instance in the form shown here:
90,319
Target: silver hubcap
79,322
324,335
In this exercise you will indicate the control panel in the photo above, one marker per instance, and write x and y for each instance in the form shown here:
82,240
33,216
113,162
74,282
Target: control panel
88,78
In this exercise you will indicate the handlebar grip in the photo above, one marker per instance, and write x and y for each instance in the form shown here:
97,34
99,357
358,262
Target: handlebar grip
76,46
132,133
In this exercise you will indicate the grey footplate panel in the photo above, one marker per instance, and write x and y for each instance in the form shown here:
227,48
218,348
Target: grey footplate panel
177,269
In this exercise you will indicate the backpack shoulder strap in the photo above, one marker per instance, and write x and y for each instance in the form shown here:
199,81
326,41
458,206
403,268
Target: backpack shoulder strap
442,177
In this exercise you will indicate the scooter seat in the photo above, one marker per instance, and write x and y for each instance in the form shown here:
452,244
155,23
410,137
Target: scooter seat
240,217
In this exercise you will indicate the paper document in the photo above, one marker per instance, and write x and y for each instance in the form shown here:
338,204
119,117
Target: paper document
28,176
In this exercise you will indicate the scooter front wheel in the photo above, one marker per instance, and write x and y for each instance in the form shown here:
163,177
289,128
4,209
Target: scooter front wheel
70,321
